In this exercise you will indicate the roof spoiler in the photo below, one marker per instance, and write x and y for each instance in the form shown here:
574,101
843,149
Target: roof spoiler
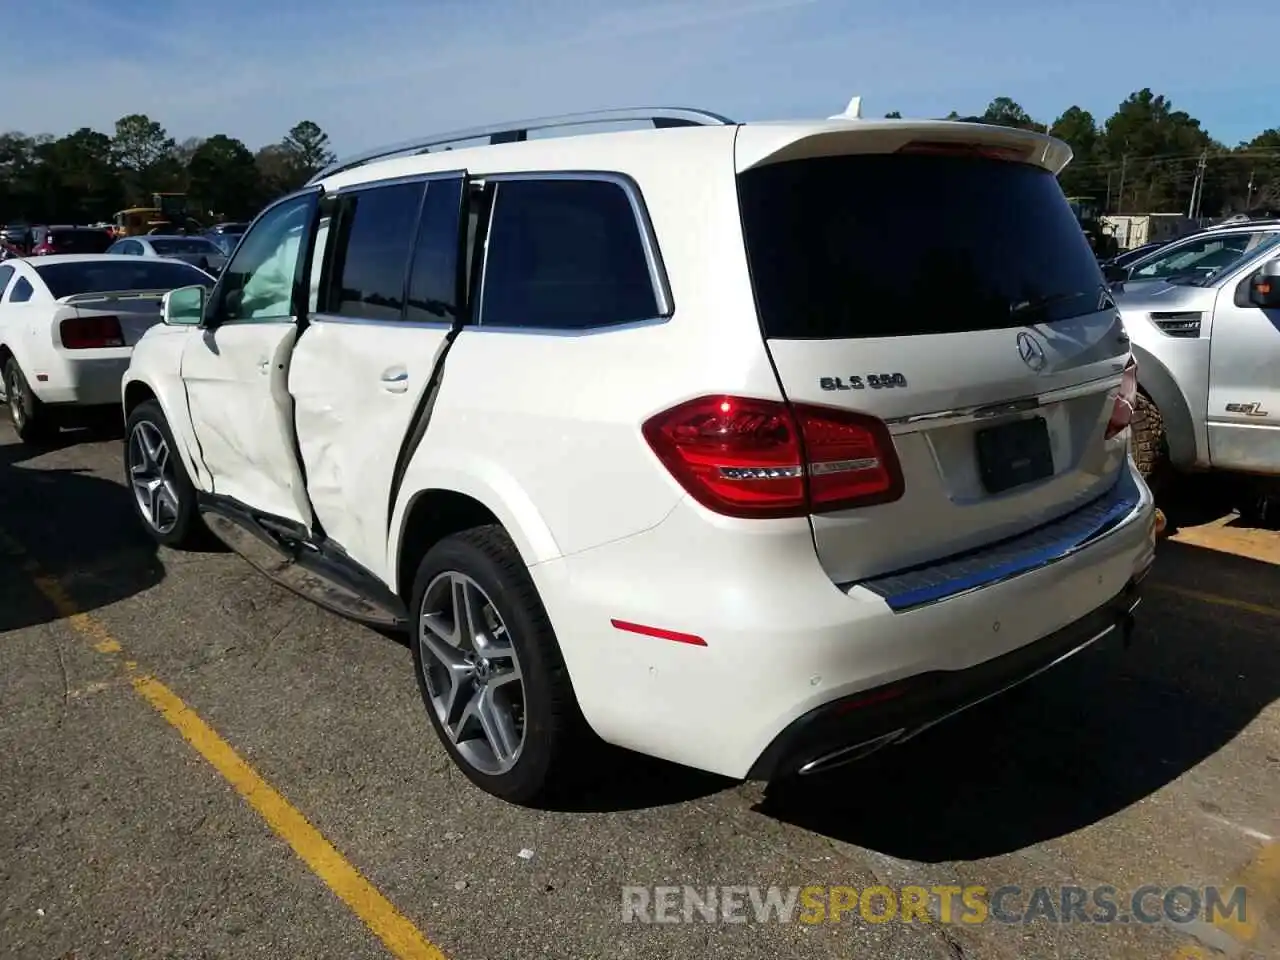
74,298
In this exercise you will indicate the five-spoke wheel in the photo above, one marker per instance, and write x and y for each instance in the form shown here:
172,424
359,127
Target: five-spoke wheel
31,419
163,494
472,673
151,477
489,667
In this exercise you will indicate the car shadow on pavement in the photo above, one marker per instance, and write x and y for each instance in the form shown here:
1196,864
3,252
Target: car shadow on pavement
77,528
1190,500
619,780
1078,744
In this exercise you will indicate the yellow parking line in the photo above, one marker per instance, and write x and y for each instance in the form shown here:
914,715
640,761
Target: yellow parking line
401,937
1260,878
1258,608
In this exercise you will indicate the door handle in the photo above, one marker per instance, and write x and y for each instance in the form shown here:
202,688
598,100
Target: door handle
264,367
395,381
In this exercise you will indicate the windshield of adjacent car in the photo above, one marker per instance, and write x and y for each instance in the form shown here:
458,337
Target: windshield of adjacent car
187,245
101,276
900,245
1203,259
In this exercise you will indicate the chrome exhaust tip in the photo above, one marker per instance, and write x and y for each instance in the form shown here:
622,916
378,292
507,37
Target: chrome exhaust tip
856,751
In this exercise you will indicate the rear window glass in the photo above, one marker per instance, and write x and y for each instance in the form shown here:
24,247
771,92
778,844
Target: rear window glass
80,241
101,276
901,245
169,248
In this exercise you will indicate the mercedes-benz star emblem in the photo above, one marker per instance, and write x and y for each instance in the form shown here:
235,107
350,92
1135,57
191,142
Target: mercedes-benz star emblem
1030,351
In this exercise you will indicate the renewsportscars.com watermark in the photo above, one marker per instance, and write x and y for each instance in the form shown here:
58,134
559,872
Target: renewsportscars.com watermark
918,904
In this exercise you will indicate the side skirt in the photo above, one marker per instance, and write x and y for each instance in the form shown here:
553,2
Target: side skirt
317,571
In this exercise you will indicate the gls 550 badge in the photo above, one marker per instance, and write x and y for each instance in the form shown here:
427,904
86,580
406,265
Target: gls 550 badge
876,381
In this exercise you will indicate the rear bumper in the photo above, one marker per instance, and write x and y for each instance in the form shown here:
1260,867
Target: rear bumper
92,380
853,727
764,639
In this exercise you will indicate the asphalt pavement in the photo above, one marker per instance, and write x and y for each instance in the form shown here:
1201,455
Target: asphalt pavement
196,763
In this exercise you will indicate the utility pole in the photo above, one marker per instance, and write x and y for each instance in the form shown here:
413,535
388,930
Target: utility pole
1204,173
1197,186
1248,197
1124,160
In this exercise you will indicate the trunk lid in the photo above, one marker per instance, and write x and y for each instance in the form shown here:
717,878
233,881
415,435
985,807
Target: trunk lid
136,310
127,287
952,294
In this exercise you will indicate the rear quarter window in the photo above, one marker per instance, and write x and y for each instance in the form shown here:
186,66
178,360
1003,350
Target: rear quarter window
901,245
565,254
22,291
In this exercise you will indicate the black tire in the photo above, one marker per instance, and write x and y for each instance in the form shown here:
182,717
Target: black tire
31,419
554,732
188,530
1259,504
1150,446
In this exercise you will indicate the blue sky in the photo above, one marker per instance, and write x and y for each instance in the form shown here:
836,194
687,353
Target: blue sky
375,71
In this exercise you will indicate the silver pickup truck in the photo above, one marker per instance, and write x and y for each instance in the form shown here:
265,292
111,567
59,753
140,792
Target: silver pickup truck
1203,314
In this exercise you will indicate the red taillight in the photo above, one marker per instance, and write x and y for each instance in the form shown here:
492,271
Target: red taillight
762,458
84,333
1126,397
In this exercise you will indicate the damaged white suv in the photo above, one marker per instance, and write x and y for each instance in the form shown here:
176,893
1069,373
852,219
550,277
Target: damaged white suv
689,436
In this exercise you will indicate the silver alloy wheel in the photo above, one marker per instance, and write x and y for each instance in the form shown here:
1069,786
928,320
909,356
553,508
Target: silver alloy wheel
152,478
16,408
472,673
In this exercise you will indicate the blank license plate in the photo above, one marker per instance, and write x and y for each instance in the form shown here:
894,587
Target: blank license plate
1013,454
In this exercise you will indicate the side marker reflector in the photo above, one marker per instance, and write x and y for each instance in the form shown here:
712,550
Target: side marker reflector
659,633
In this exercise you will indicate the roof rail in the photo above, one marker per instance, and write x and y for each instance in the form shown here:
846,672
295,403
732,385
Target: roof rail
660,117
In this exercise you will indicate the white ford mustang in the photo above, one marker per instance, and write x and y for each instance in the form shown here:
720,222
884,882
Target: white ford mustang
67,329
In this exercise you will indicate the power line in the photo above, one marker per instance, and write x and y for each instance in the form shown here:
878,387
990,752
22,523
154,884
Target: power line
1259,153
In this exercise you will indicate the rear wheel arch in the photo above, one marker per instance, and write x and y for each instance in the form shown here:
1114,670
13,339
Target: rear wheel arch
431,516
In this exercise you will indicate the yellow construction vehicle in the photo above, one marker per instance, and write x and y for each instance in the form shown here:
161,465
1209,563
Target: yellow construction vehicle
168,213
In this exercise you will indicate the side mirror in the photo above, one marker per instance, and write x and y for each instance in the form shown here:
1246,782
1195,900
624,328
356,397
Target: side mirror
184,306
1264,286
1114,273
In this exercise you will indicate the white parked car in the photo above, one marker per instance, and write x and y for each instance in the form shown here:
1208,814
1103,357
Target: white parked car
197,251
687,436
68,324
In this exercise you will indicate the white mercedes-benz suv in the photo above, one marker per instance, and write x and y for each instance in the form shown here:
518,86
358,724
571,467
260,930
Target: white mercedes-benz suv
731,444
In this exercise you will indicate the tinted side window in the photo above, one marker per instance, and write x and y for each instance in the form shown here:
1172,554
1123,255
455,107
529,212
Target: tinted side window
372,244
22,291
565,254
6,274
433,279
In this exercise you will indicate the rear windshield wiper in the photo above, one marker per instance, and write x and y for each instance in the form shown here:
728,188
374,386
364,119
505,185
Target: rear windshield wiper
1038,304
